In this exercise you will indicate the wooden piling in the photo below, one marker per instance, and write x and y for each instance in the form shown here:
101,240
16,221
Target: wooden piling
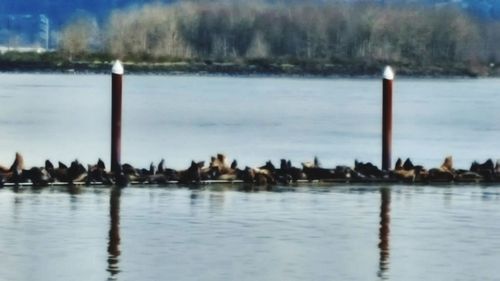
387,82
116,115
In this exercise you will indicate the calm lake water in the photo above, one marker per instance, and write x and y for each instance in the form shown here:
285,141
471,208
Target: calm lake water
179,118
319,232
220,233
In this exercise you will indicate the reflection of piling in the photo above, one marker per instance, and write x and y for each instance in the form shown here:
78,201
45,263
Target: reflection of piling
388,78
116,116
385,219
114,232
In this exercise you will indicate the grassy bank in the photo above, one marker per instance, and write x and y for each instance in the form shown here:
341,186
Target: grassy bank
101,63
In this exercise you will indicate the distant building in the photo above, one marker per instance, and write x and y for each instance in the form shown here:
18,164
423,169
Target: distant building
24,32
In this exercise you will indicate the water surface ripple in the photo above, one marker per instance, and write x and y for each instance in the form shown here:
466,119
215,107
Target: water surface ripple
221,233
180,118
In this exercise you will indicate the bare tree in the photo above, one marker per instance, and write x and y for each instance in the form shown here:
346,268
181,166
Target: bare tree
330,32
79,37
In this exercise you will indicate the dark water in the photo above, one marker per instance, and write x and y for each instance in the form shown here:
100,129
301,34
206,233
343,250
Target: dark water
220,233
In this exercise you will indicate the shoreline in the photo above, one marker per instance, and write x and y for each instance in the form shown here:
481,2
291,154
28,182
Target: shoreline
246,69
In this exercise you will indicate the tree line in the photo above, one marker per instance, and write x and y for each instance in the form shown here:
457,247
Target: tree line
330,33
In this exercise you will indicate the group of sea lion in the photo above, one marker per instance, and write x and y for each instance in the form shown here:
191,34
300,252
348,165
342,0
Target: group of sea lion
219,170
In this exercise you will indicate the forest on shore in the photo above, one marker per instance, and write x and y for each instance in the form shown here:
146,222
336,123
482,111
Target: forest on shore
335,38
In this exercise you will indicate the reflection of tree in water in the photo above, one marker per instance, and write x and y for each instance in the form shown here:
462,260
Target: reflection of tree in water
385,219
114,233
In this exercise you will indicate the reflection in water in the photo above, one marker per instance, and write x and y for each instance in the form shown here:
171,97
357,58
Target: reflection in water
114,233
385,220
74,189
16,208
194,196
216,201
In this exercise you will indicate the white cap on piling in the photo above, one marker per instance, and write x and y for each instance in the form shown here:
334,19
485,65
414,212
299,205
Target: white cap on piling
117,68
388,73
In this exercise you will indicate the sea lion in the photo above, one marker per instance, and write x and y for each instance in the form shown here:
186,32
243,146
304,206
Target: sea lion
193,174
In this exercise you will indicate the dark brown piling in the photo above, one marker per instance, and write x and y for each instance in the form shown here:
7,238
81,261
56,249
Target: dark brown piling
116,116
387,82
